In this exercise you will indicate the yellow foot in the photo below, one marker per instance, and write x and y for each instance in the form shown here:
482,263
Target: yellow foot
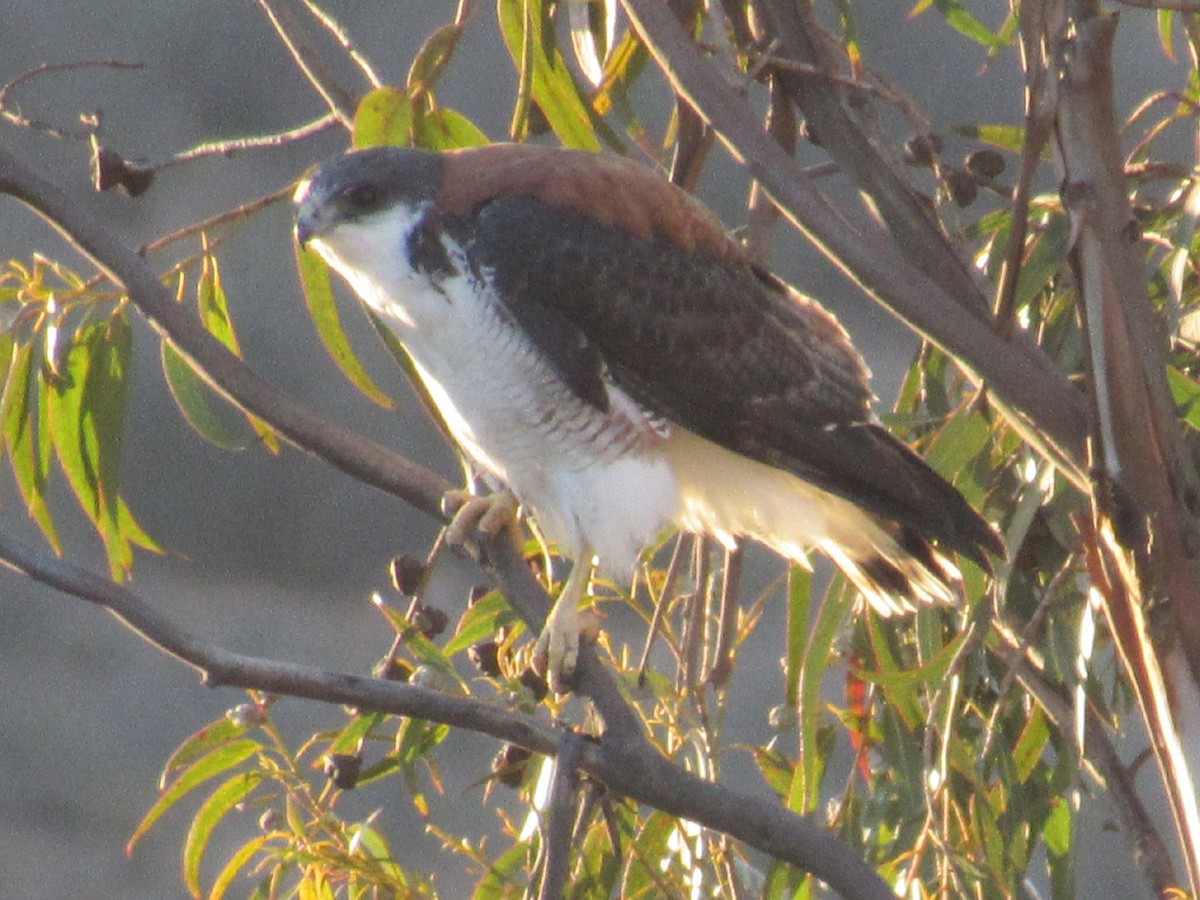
472,516
557,650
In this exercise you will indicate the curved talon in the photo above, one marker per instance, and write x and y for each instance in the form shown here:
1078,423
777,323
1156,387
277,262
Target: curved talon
472,516
557,650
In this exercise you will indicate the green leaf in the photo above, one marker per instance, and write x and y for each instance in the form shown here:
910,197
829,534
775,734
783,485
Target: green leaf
960,440
526,29
207,818
87,416
1031,744
1045,260
433,57
1187,396
215,762
384,118
806,785
223,731
481,622
962,21
238,861
27,435
322,308
1006,137
1057,830
901,689
417,738
214,315
900,682
362,725
447,129
194,399
1166,32
799,604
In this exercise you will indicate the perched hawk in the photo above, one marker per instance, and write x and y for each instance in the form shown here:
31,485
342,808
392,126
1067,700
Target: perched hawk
597,344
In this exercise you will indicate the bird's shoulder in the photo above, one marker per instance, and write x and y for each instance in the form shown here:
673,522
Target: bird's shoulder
610,190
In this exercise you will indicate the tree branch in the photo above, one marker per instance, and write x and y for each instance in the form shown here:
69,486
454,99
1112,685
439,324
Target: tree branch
630,768
365,460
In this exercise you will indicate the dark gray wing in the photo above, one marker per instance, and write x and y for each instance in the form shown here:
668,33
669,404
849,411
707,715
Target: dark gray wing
724,350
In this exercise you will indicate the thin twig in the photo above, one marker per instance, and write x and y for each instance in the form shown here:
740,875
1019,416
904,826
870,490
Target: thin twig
236,145
220,667
343,37
560,817
721,661
230,215
22,121
341,101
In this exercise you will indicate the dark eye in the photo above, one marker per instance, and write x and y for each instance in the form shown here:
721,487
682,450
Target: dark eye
362,198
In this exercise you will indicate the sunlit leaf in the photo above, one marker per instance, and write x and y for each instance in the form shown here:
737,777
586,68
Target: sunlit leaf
27,435
806,786
363,724
322,308
799,604
433,57
87,416
1058,834
207,818
195,399
933,672
214,315
551,83
1165,19
964,22
216,734
237,862
956,443
215,762
901,691
481,622
1006,137
447,129
1030,745
384,118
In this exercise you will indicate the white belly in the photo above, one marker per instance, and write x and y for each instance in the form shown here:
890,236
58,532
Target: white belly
598,483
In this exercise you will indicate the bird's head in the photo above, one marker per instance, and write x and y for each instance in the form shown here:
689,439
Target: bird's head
346,204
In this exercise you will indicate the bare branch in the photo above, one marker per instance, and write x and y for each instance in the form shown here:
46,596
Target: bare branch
343,37
630,768
20,120
226,373
237,145
341,100
1145,540
220,667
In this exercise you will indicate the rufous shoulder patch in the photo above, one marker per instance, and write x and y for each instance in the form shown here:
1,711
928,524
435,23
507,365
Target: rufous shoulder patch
610,189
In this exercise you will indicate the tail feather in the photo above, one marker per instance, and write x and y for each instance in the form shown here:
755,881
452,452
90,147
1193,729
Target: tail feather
896,567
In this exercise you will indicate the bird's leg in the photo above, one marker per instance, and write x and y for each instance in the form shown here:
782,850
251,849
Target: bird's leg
557,649
472,515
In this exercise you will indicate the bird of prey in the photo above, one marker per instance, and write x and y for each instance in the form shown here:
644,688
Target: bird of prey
599,346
